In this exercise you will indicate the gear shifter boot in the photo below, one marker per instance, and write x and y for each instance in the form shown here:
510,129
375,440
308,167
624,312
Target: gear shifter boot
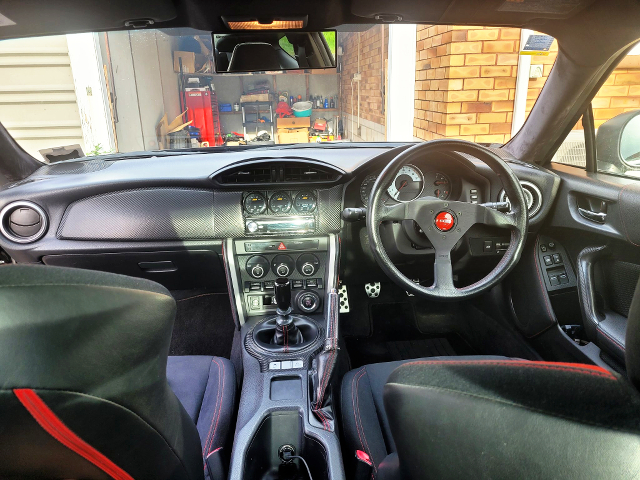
287,333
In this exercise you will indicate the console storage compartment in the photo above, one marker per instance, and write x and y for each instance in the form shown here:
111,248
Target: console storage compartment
277,429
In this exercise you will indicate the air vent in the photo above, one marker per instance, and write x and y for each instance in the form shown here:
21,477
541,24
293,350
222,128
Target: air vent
247,175
23,222
532,195
301,173
270,173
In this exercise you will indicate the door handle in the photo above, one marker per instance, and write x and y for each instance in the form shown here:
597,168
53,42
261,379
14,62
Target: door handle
596,217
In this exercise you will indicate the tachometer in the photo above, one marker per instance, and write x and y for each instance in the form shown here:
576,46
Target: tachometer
407,185
366,187
255,204
280,202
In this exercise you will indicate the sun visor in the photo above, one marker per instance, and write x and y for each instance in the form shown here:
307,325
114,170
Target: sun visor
467,12
34,17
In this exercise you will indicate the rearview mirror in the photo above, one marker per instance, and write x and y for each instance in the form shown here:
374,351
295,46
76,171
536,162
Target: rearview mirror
273,51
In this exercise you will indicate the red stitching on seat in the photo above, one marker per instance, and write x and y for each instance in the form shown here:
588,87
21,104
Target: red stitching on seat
592,370
356,408
48,420
210,437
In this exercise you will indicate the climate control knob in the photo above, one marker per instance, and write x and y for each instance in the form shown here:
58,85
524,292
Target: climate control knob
307,264
282,265
257,266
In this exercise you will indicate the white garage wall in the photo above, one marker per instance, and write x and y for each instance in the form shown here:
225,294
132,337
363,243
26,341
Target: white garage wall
37,95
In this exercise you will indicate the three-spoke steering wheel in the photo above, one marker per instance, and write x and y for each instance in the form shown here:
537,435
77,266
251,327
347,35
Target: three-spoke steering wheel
445,222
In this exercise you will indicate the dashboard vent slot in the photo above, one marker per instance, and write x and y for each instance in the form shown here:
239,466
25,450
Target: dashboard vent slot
271,173
248,174
308,173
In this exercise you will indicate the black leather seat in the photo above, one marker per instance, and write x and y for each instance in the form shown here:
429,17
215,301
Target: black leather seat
83,381
498,418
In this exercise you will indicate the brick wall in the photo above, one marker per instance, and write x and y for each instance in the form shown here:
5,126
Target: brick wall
465,82
620,93
373,71
466,77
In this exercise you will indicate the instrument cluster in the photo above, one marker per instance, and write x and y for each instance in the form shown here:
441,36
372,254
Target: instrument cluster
410,183
280,202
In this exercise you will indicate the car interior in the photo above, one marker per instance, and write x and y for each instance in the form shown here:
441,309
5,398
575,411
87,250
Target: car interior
442,309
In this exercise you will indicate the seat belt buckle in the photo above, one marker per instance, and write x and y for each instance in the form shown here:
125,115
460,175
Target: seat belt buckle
364,465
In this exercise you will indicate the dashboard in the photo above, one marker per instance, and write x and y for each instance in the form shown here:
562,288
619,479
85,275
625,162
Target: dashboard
141,215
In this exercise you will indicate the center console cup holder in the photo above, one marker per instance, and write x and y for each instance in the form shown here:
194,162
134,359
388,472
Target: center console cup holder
284,428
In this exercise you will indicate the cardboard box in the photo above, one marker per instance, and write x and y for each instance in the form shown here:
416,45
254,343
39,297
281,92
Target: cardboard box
295,122
300,135
188,61
258,97
164,128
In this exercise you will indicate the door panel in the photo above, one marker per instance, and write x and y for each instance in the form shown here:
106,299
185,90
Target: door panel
596,218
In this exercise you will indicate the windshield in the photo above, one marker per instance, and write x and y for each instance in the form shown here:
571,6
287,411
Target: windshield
147,90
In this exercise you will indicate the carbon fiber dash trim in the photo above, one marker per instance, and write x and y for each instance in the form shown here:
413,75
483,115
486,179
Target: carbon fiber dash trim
141,214
229,217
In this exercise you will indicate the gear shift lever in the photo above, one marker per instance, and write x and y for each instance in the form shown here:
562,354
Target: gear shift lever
287,332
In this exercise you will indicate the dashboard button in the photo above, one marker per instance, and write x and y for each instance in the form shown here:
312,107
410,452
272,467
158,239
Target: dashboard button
547,260
274,365
557,258
287,364
297,364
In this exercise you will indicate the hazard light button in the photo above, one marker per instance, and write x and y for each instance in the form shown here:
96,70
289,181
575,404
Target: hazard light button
444,221
282,246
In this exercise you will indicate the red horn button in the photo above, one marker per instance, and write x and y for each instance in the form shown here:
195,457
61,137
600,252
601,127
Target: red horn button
444,221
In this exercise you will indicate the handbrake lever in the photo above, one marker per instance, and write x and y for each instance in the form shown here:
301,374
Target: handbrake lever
323,365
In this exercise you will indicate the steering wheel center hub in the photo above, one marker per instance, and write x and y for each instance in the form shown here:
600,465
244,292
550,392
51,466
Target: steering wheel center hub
445,221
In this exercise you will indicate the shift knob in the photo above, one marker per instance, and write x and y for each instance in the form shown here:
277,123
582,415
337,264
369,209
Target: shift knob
282,292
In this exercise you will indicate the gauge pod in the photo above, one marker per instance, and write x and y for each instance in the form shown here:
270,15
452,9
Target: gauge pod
255,204
280,202
305,202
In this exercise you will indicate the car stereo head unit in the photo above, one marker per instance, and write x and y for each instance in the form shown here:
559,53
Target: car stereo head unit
280,225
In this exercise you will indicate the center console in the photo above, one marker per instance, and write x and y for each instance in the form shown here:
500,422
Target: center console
284,292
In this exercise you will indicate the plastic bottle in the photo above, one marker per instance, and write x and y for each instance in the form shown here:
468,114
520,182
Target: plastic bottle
326,102
332,104
291,101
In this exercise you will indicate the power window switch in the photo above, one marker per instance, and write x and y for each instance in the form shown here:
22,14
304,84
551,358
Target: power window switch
274,365
563,278
557,258
554,280
547,260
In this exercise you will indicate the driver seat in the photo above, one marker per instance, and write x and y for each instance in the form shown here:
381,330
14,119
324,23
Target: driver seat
494,417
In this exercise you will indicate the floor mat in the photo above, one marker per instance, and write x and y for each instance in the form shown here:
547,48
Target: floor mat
203,326
427,347
395,335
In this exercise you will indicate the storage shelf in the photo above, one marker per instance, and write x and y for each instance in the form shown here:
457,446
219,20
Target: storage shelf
231,113
324,110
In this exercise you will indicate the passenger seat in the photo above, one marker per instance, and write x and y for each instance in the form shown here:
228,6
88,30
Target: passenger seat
86,384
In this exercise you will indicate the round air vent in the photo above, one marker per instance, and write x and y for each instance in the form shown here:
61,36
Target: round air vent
532,195
23,222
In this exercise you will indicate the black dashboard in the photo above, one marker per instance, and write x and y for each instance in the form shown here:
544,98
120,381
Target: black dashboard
76,212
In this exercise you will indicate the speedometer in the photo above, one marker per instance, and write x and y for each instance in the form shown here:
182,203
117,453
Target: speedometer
407,185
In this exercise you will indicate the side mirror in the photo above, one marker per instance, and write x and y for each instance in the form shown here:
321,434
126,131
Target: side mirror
618,143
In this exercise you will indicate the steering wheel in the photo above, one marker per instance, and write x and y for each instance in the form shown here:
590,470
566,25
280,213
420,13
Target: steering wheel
445,222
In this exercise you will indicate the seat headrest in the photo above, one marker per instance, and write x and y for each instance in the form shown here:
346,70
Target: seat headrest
252,56
632,340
